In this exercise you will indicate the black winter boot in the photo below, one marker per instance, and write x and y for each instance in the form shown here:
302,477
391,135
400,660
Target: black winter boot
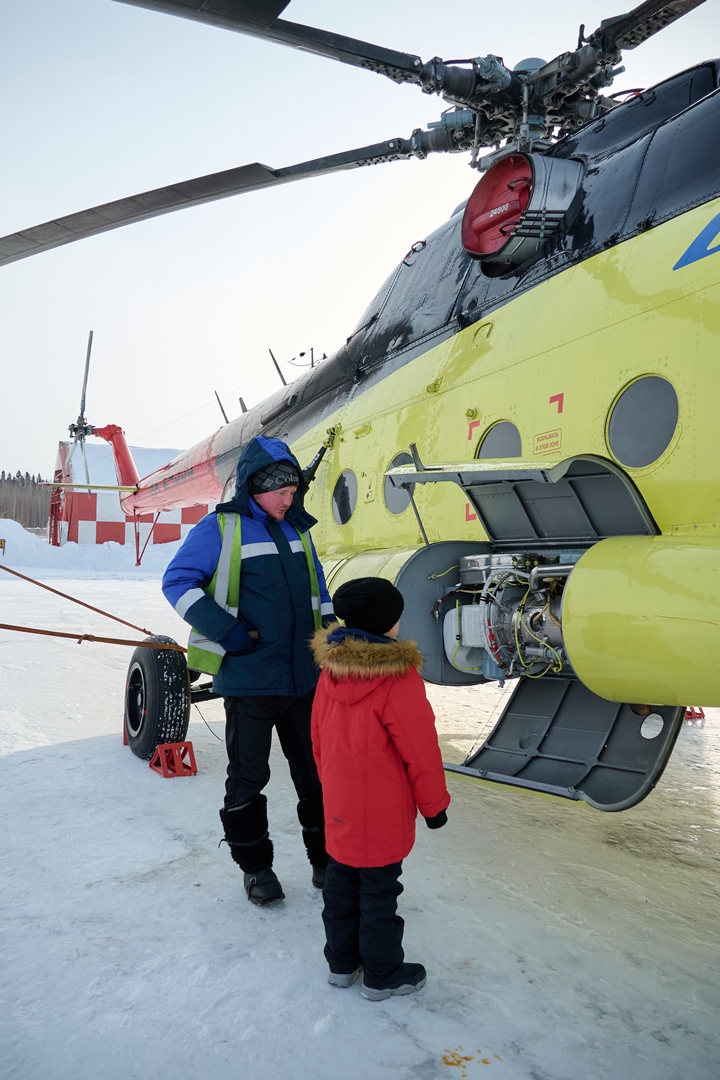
246,833
263,887
311,817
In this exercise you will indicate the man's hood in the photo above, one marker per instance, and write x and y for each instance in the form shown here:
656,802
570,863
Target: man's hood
258,453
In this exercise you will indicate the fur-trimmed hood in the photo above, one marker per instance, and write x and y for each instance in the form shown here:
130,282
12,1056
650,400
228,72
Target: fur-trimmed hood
356,659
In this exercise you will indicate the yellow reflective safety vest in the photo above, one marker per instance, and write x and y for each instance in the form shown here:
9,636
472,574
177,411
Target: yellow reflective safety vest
206,655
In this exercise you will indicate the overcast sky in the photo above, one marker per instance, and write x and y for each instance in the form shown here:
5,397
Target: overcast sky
101,100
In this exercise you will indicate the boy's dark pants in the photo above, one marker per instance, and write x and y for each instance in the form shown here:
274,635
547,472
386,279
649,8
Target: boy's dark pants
362,926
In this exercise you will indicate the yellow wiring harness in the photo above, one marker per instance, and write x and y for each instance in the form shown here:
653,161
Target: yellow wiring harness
519,621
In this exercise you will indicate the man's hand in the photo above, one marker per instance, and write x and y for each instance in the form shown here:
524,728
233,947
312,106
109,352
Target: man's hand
239,640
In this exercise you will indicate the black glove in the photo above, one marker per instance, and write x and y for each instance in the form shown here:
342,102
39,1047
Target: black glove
436,822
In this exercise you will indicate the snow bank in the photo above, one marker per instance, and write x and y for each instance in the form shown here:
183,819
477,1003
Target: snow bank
25,551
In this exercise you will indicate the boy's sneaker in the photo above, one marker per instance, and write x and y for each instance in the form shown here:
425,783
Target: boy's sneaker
407,979
263,887
343,981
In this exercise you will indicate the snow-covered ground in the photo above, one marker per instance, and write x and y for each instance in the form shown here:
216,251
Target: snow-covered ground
560,942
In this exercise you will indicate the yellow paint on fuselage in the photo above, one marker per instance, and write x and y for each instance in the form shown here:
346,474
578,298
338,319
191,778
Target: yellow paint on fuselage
585,334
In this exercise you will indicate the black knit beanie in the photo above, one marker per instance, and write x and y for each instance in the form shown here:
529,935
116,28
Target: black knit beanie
369,603
277,474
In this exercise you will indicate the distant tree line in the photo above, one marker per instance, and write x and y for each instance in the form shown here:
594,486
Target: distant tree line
23,499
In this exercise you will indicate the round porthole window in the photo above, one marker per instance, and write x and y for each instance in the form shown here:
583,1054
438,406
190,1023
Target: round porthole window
397,499
643,421
344,497
501,441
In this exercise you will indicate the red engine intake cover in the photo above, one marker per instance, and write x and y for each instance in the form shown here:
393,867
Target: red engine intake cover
496,205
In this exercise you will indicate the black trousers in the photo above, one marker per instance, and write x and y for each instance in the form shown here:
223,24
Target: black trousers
248,737
361,921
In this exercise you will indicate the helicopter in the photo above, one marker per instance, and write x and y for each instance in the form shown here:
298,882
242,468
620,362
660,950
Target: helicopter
532,483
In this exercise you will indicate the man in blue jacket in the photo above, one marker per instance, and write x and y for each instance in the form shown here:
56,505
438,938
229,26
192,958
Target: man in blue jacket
248,580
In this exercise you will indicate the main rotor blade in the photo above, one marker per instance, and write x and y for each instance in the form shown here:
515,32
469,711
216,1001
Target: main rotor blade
259,19
85,460
81,416
630,30
203,189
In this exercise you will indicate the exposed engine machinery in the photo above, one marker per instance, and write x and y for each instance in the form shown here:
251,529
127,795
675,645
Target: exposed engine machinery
556,614
507,618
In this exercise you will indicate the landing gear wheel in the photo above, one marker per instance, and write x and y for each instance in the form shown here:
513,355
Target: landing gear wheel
157,698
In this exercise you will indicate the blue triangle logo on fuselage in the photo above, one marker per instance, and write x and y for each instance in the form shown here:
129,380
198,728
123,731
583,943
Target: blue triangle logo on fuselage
700,246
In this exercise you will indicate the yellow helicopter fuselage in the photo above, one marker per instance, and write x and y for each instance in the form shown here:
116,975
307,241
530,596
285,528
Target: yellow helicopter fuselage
556,376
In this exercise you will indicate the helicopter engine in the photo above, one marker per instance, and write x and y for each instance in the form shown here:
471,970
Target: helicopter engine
513,622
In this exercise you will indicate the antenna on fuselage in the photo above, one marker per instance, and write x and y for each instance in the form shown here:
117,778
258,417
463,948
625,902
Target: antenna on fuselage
277,368
221,408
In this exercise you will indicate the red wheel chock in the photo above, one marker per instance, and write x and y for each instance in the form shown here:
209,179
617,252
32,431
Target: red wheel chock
694,713
174,759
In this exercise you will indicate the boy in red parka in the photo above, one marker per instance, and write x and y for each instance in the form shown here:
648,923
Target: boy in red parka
377,753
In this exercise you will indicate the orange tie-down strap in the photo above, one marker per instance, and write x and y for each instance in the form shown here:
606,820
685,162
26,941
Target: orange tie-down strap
93,637
75,600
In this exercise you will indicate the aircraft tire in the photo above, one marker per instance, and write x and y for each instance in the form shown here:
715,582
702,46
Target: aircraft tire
157,698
